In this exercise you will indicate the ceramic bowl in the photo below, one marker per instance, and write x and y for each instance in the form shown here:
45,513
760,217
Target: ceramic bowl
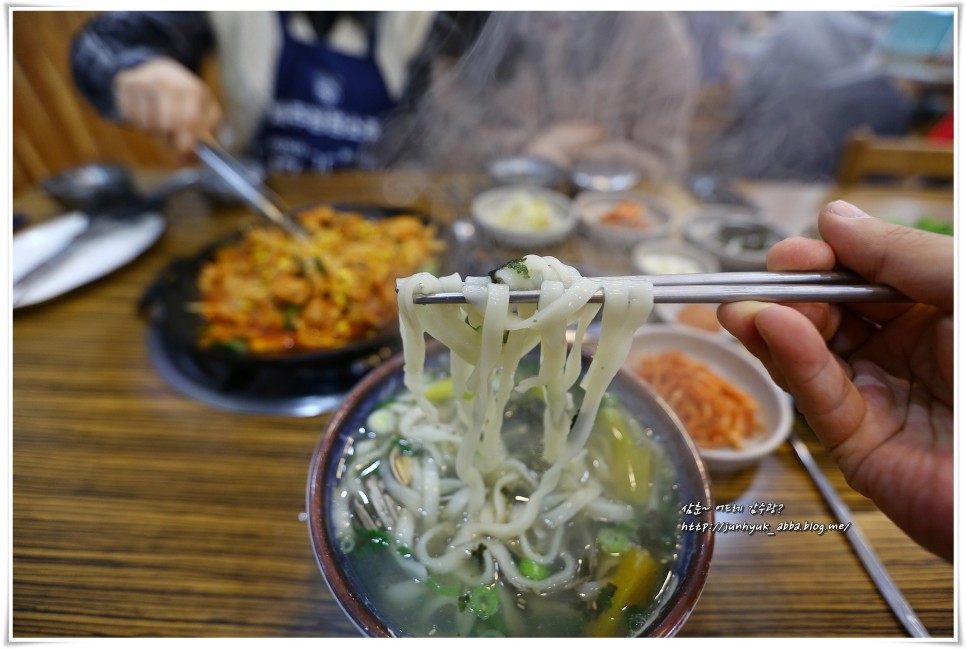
523,216
738,240
603,177
525,170
691,556
671,256
622,219
91,187
733,363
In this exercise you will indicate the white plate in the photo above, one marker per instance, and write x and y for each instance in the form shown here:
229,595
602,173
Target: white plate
89,260
736,365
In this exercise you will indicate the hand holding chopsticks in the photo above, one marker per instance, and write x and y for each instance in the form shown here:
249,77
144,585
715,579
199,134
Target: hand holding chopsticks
831,286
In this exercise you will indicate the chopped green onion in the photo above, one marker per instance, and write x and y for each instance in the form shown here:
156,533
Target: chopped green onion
369,541
484,601
447,591
290,314
237,346
533,570
381,421
613,539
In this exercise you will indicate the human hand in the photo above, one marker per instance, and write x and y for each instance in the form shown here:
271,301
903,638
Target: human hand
875,382
562,142
166,99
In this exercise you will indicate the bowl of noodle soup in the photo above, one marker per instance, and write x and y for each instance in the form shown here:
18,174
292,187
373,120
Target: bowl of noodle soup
523,528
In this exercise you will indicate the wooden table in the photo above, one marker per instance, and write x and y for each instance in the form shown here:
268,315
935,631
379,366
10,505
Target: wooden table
140,512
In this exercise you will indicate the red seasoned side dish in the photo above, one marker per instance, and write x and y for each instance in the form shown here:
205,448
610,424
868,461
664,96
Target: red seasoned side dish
271,292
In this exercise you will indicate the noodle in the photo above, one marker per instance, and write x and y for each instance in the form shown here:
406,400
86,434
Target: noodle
516,485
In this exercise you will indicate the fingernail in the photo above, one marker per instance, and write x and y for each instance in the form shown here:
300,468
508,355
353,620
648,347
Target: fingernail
846,210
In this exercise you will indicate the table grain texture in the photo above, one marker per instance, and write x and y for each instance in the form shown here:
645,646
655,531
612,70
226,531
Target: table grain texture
138,512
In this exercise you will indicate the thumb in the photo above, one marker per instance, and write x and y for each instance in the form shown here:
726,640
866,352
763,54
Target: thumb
918,263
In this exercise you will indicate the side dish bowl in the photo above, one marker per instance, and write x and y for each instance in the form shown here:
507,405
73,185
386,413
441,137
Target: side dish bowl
692,550
672,257
523,216
601,177
736,366
738,240
524,170
623,219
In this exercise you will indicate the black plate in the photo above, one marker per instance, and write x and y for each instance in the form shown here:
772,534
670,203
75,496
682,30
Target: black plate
166,302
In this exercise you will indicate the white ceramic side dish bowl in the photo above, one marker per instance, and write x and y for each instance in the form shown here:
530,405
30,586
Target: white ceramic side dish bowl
739,241
737,366
623,219
523,215
672,257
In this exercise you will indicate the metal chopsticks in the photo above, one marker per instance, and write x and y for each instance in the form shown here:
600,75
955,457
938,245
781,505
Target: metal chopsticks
873,565
830,286
257,195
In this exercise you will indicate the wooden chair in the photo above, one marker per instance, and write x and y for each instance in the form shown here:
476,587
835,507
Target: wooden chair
904,159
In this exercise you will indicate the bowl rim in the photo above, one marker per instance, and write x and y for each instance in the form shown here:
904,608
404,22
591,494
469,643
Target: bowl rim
738,218
784,416
662,214
558,231
542,169
692,581
709,262
601,176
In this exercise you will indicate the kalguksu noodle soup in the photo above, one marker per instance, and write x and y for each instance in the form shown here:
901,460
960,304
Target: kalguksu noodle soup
505,490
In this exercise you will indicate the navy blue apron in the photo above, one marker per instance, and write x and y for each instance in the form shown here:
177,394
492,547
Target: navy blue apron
326,105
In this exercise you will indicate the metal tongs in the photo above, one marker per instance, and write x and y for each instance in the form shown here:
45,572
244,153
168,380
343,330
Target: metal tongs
258,196
824,286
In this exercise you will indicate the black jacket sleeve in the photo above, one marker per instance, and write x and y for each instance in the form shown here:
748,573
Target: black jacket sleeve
115,41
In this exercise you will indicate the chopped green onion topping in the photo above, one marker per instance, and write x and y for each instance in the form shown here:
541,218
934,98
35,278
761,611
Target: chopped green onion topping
368,541
483,601
613,539
533,570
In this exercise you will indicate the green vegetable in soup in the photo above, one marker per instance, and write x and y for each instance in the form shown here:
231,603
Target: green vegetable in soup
368,541
533,570
484,601
629,457
614,539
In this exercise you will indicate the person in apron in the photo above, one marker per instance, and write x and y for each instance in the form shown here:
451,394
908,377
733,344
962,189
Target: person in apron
303,91
326,105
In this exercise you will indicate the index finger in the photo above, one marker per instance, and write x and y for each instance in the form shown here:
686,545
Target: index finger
918,263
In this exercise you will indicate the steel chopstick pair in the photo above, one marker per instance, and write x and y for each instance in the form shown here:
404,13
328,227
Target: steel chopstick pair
820,286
